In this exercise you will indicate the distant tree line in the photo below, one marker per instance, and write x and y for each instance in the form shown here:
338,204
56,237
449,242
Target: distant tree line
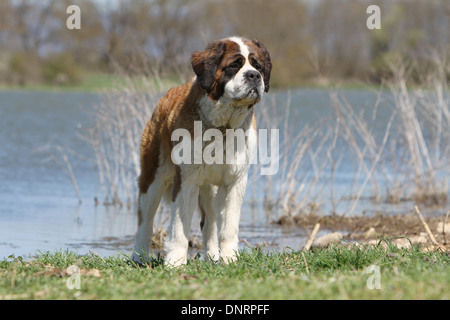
310,41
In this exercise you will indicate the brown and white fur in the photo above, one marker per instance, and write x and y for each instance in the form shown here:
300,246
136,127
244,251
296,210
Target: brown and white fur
231,77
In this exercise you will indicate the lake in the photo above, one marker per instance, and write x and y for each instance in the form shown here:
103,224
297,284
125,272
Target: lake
39,209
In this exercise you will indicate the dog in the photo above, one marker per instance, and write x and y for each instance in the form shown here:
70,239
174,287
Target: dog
231,76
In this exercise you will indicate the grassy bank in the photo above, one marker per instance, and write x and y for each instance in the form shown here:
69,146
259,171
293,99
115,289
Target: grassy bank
337,272
95,82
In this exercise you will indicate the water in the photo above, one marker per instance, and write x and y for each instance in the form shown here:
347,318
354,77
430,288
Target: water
39,209
38,206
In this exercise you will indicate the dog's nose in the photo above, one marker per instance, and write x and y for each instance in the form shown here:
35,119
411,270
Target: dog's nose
252,75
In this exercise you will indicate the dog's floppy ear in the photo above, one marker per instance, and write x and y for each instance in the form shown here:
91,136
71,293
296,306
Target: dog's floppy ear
267,64
206,62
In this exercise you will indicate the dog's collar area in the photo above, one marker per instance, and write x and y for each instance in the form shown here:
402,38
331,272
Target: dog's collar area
223,129
207,124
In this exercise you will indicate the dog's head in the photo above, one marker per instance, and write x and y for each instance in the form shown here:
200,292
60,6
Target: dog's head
234,68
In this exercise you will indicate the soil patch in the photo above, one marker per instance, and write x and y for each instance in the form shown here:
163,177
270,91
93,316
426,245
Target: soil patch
359,227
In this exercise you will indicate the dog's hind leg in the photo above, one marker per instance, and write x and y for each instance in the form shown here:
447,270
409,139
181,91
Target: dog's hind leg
148,205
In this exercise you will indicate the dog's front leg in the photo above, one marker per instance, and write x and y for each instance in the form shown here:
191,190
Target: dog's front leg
231,197
183,205
209,221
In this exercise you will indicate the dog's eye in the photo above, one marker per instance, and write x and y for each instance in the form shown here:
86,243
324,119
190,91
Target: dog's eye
255,64
236,64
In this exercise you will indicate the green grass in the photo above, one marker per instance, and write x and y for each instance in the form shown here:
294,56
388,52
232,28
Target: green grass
95,82
332,273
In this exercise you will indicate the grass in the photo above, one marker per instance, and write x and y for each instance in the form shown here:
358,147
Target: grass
95,82
337,272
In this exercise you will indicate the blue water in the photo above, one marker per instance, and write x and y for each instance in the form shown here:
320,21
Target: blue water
39,209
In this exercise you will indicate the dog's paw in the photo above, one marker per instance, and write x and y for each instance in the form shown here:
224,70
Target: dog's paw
175,258
136,258
229,255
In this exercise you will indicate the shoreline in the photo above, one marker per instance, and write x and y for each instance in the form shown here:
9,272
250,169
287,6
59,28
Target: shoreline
97,82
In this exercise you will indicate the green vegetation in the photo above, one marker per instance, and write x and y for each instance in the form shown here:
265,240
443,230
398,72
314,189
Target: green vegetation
337,272
96,82
314,42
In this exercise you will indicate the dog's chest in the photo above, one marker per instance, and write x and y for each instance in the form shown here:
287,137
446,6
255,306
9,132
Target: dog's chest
226,159
219,174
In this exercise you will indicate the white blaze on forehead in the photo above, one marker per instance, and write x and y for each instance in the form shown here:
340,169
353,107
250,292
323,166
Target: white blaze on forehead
238,87
244,49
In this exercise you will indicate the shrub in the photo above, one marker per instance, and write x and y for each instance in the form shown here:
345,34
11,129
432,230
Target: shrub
61,69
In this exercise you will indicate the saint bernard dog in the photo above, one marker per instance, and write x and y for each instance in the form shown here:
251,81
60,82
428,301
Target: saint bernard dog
231,76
